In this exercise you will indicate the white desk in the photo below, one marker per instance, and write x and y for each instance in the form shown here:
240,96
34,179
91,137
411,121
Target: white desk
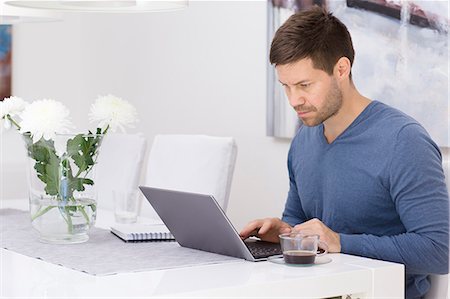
25,277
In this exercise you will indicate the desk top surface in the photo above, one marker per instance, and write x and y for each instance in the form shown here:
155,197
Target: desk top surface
23,276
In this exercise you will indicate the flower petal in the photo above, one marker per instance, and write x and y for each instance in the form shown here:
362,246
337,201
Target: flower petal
45,118
6,124
113,112
37,137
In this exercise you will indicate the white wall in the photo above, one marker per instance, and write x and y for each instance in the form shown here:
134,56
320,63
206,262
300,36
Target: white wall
197,71
201,70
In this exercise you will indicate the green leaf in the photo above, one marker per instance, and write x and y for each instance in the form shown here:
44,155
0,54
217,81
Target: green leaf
78,183
82,150
73,145
56,173
88,181
52,175
80,161
40,168
47,163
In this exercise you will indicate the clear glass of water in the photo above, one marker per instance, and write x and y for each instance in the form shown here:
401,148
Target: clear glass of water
126,205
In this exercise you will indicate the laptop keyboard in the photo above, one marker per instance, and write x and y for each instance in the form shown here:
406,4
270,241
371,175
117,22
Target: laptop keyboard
263,249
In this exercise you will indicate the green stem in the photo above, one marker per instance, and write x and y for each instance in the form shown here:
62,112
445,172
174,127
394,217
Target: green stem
78,173
106,130
13,121
41,212
69,221
62,211
68,218
88,169
84,214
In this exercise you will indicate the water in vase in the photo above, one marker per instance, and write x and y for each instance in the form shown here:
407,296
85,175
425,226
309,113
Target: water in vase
63,222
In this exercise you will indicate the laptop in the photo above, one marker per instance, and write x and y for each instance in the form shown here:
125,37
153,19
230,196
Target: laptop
197,221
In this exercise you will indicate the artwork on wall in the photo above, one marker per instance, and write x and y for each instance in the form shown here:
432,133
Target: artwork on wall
401,59
5,61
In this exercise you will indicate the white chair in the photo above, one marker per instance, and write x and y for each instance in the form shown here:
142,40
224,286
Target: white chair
440,283
439,287
119,166
13,165
191,163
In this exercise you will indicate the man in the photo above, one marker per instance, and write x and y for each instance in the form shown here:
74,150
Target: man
364,176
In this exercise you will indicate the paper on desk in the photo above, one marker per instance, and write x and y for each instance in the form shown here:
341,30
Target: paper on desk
142,232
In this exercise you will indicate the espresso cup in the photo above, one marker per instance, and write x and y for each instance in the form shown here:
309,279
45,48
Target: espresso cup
300,248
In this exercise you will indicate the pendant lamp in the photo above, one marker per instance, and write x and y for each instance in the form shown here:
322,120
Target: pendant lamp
10,15
102,6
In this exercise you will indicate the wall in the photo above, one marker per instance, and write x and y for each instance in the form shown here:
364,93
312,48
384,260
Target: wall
197,71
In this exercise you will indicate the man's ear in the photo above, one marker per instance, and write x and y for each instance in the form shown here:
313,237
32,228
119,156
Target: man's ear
342,68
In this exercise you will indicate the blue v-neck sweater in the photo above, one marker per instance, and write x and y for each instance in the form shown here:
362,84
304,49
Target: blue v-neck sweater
381,186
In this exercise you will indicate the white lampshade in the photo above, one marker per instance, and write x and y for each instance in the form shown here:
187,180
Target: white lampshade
104,6
10,15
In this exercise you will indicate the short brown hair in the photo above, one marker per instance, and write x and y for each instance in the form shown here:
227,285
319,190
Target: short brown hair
314,34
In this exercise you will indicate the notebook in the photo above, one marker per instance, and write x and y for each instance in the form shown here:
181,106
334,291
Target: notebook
197,221
136,232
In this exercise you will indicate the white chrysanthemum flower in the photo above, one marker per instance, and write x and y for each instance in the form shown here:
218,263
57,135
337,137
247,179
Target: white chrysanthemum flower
45,118
11,106
113,112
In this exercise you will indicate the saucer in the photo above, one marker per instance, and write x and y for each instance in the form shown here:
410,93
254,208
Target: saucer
320,260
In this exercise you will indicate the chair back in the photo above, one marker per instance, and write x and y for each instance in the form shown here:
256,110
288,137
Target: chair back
119,166
191,163
439,287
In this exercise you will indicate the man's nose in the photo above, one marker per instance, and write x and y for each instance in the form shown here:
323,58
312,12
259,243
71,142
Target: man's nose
296,98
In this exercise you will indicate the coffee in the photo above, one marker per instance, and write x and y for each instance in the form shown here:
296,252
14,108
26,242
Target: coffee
299,257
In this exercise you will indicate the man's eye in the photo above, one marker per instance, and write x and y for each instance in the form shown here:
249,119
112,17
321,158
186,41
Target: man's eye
304,85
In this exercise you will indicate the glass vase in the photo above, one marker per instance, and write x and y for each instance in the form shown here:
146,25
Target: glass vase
62,190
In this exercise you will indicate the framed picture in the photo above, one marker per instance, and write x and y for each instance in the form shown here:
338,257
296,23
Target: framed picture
415,13
401,59
5,61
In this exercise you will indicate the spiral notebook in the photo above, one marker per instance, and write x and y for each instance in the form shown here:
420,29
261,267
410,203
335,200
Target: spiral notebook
137,232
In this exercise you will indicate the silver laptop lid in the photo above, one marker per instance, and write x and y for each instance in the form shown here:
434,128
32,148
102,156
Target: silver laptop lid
197,221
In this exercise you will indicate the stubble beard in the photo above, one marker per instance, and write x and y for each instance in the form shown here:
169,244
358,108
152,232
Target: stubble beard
333,103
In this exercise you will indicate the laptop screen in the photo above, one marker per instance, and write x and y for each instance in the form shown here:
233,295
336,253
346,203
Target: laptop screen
197,221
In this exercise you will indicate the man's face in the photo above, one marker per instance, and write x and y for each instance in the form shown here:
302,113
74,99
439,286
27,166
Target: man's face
313,93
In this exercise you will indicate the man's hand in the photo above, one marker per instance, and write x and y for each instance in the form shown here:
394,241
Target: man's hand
266,229
315,226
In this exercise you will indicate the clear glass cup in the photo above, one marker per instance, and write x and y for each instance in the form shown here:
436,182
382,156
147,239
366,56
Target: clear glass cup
126,205
301,248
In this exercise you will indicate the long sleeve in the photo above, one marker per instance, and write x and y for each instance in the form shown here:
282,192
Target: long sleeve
417,186
293,212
